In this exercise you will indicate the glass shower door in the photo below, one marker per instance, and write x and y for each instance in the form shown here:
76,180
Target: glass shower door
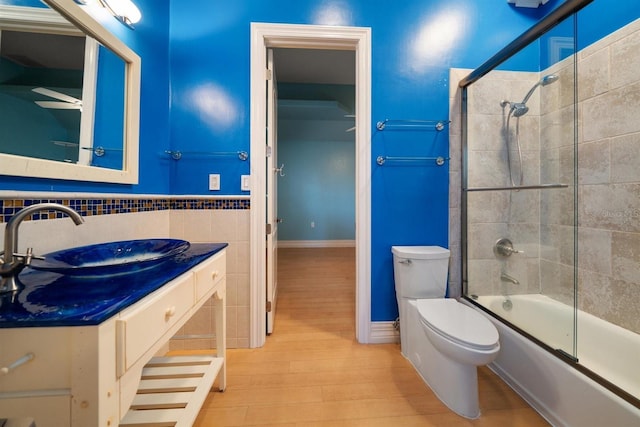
519,196
551,190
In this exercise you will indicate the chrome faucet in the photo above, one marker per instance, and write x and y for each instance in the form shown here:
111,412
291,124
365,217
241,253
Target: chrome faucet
506,278
11,262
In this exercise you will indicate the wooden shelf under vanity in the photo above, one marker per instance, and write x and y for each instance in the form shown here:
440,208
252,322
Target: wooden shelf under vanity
172,391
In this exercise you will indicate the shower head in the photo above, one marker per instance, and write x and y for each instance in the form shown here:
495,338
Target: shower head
546,80
519,109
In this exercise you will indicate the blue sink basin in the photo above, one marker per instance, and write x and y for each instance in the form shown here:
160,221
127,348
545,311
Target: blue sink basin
113,258
50,299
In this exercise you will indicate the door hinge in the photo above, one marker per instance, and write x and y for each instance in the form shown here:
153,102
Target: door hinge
268,229
268,306
268,152
268,74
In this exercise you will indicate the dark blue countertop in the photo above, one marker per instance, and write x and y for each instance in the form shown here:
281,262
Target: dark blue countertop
51,299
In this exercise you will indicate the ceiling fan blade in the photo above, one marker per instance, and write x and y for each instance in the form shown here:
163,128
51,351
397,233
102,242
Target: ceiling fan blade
56,95
58,105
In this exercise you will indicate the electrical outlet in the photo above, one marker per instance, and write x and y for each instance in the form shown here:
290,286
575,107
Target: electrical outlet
214,181
313,224
245,183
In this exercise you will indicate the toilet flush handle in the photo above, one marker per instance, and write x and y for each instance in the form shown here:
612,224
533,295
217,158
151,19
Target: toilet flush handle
406,262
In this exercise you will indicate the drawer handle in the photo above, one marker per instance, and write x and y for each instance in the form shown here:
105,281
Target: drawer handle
170,312
24,359
214,274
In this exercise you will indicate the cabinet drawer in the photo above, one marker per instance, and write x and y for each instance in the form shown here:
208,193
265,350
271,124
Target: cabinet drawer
140,327
49,346
209,273
46,411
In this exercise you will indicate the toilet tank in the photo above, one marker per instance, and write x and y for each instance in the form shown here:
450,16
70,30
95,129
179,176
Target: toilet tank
420,271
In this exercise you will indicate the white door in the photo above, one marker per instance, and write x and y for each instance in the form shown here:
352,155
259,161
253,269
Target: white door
272,174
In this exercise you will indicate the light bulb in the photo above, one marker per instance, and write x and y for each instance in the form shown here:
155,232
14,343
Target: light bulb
125,9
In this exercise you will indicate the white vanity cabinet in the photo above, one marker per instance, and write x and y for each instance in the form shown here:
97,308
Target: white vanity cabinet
106,375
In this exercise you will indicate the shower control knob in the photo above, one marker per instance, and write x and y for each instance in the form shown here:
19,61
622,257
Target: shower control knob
504,248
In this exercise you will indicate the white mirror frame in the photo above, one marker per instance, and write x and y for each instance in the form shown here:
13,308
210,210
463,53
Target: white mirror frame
41,168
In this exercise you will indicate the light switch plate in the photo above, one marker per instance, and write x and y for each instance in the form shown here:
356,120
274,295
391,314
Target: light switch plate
245,183
214,181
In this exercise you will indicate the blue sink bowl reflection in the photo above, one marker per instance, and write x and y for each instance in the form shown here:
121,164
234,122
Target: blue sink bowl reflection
112,258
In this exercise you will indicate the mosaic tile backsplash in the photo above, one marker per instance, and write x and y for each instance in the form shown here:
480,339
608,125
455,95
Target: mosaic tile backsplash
93,207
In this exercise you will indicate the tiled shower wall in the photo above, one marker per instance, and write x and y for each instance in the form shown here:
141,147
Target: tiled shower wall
609,178
195,220
494,215
542,222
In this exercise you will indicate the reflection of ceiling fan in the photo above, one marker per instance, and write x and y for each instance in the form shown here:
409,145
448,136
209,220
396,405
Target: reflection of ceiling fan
65,102
349,116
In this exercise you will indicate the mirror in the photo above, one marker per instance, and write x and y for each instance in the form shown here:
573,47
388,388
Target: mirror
64,82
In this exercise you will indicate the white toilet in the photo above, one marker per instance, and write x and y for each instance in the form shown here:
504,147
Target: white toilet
444,340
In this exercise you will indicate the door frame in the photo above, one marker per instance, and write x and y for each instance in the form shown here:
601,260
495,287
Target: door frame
357,39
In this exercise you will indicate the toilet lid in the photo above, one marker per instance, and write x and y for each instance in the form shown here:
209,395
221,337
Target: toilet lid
458,322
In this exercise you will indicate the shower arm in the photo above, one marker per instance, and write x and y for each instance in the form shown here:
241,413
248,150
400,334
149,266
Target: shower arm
528,95
546,80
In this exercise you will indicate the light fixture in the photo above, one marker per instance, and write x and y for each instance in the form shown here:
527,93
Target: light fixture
124,11
527,3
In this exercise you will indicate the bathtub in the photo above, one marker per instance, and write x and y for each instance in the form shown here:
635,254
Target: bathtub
561,394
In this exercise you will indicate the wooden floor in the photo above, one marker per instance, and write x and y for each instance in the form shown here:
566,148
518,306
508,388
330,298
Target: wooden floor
312,371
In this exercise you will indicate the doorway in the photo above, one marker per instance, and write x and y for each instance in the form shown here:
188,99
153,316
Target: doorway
315,200
264,36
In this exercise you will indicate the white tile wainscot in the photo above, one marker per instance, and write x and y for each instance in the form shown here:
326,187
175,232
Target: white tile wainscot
101,375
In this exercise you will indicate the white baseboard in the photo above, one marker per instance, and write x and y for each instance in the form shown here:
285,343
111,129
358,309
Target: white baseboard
316,243
383,333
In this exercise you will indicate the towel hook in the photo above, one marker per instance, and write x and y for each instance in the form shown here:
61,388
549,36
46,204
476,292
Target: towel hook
280,170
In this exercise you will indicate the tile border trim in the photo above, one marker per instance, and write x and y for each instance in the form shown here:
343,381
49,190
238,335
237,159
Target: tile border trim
93,206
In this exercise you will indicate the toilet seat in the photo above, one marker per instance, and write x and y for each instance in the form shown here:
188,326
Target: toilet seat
458,323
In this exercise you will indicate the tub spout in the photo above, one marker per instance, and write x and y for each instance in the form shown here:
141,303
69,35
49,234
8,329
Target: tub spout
506,278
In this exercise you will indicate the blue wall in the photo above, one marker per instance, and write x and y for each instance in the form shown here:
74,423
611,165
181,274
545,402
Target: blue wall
206,107
32,136
319,181
319,158
414,44
109,100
